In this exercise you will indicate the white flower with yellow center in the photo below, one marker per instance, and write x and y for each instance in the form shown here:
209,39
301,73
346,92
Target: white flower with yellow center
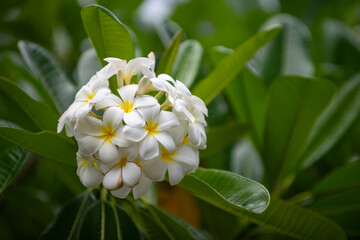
153,132
128,104
89,176
104,136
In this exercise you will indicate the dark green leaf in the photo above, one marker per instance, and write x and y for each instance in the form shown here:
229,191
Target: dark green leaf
293,108
342,113
67,222
46,144
167,59
231,65
187,62
44,67
227,190
40,114
108,35
11,162
289,53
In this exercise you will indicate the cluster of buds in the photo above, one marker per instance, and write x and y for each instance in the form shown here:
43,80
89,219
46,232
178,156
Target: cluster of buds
129,139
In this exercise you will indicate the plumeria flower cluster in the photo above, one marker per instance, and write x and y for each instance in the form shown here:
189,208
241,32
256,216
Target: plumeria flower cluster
129,139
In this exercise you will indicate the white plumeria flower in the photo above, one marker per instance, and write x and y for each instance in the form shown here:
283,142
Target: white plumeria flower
103,136
184,159
89,176
131,69
153,132
197,134
128,104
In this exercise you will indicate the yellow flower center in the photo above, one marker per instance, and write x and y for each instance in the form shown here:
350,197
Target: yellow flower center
90,96
127,106
108,134
166,156
185,141
151,128
122,162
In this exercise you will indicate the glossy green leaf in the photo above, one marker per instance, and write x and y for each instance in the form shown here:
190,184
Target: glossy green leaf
342,113
228,134
289,53
231,65
40,114
296,222
167,59
187,62
173,227
227,190
45,144
108,35
87,66
67,221
294,105
11,162
106,221
44,67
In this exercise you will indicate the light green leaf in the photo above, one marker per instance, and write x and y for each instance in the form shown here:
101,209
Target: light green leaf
106,221
167,59
187,62
45,144
44,67
342,113
288,54
67,222
294,105
87,67
227,190
228,134
231,65
11,162
108,35
40,114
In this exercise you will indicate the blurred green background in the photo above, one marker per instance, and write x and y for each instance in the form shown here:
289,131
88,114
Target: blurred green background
331,38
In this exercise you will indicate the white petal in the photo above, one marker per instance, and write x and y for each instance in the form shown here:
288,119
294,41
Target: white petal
100,95
167,78
134,119
149,148
194,135
82,111
141,188
113,117
162,85
144,101
91,126
89,144
113,178
182,89
116,62
121,192
166,140
150,113
178,133
131,174
110,101
176,173
83,94
155,169
108,152
199,104
134,134
187,157
91,177
119,139
131,152
127,93
167,120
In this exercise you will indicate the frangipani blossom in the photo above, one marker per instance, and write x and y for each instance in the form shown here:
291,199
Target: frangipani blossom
128,104
153,132
103,136
89,176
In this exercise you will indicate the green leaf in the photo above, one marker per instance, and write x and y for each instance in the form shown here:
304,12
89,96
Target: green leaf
187,62
87,67
44,67
227,190
296,222
45,144
228,134
11,162
67,222
294,105
40,114
108,35
342,113
172,226
106,221
167,59
231,65
289,53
